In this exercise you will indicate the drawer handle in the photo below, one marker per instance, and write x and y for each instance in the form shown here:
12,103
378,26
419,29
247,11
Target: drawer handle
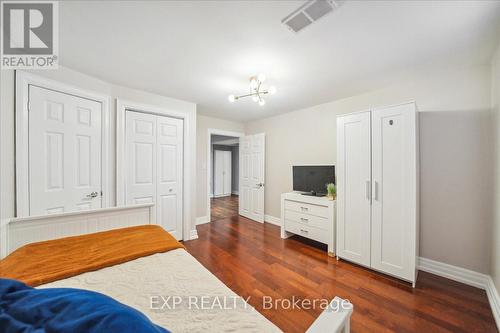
304,208
304,219
305,231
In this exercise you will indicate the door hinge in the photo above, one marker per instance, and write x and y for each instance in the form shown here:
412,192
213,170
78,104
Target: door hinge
29,106
101,193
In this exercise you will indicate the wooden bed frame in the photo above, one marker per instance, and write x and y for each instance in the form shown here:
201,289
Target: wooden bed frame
17,232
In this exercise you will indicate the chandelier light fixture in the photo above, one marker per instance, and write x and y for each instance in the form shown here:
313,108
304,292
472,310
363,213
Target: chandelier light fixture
256,90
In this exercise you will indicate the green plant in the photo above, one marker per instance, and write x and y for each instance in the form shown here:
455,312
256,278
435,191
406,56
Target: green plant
331,189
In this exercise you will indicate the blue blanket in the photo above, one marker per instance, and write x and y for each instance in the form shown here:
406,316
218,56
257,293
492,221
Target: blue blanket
28,310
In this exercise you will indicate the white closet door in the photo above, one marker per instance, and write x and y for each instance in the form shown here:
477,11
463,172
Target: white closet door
218,173
170,174
227,173
353,182
252,168
394,190
64,152
141,158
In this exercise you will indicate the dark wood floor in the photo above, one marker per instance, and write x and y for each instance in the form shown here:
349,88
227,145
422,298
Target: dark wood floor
224,207
252,260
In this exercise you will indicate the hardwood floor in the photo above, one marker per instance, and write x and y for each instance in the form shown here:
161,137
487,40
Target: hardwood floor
252,260
223,207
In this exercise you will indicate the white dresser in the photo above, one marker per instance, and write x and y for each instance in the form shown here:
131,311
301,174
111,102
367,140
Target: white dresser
310,217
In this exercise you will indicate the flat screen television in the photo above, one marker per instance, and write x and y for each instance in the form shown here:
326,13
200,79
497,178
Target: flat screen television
312,179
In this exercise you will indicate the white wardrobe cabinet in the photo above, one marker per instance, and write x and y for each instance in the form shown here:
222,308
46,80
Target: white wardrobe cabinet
377,194
222,173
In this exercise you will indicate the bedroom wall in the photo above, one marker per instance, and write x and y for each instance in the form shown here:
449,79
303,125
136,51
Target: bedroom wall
455,156
77,79
203,124
495,103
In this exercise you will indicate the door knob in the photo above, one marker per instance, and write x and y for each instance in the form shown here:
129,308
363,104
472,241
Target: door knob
259,185
92,195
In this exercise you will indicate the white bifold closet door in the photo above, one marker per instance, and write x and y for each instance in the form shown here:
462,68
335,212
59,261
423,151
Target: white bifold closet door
154,156
64,152
222,173
353,182
394,190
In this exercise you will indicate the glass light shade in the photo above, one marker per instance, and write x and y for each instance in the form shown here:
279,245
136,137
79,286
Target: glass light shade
254,83
231,98
261,77
272,90
255,98
262,102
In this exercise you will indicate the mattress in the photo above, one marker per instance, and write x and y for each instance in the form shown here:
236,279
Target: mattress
176,292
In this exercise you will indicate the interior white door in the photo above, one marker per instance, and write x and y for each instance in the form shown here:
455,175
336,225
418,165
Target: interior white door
140,150
170,174
252,175
227,172
154,156
353,187
394,190
222,173
64,152
218,181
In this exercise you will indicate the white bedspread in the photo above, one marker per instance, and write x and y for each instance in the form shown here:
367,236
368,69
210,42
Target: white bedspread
174,273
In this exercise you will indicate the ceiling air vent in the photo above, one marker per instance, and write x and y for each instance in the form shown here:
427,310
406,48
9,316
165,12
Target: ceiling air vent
308,13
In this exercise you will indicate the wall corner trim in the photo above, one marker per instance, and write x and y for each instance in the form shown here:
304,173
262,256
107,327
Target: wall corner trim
272,219
466,276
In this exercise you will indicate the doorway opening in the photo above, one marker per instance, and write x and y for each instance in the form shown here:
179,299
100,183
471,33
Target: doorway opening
224,176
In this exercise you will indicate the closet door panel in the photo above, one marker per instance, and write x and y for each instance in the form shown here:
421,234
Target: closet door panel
218,173
227,173
393,170
170,174
353,181
141,158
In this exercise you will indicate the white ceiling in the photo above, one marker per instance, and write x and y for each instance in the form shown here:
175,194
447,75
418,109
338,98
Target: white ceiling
202,51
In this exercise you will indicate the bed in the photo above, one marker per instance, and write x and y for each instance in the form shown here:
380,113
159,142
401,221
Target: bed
171,288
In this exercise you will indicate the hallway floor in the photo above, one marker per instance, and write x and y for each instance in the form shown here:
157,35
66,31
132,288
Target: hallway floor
223,207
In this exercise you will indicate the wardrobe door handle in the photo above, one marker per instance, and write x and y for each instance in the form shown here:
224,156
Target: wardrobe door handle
368,190
376,190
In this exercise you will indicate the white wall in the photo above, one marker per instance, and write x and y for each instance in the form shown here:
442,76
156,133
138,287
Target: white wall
203,124
455,148
77,79
495,102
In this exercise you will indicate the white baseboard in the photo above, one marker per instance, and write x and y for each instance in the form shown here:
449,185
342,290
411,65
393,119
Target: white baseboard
193,234
202,220
465,276
494,299
459,274
272,219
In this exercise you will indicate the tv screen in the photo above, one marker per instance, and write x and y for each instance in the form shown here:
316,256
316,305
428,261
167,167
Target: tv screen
313,179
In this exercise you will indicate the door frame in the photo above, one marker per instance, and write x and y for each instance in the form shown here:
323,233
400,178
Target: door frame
210,132
188,139
23,82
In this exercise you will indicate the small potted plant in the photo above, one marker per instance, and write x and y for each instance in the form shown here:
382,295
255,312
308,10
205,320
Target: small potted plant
332,191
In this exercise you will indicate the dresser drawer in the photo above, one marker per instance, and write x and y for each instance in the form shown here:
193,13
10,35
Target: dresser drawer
307,219
306,208
307,231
